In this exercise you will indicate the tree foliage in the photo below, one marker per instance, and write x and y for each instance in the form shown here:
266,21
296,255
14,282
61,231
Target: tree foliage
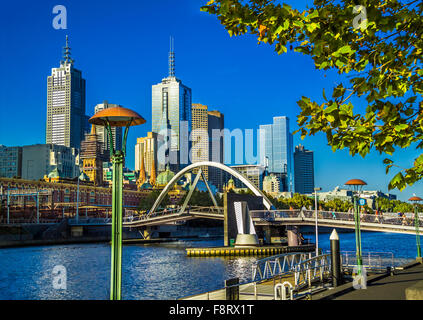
148,202
381,57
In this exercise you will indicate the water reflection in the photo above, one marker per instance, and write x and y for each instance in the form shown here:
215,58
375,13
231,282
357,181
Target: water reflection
149,272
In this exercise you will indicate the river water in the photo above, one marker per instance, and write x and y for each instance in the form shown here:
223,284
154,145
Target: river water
149,271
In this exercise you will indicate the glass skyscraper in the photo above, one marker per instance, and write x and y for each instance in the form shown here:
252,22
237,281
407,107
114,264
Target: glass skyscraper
276,151
66,119
171,118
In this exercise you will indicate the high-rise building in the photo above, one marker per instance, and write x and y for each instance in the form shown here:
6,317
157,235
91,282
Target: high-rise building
146,152
102,132
171,118
276,150
207,141
303,170
66,119
92,156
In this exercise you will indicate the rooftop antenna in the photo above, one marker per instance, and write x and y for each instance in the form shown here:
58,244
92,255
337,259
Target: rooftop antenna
171,58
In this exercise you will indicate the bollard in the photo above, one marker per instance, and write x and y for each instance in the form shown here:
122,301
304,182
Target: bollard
335,259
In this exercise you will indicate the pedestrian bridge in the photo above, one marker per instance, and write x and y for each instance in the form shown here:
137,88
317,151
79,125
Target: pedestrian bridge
388,222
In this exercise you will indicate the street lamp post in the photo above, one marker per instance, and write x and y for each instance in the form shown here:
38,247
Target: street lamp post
357,185
117,117
316,227
417,225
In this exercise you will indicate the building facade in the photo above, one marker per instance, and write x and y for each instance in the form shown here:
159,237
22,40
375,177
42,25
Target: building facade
66,119
40,159
200,137
254,173
102,132
10,162
303,170
171,118
146,151
276,150
92,156
271,184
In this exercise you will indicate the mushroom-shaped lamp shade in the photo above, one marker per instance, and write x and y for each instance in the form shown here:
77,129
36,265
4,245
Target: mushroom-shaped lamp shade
117,117
415,199
355,182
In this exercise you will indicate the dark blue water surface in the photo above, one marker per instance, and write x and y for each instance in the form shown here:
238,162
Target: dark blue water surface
149,271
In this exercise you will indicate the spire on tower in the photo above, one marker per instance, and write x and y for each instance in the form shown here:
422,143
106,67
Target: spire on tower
171,59
67,52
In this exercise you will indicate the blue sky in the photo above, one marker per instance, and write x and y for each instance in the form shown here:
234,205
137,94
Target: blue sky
122,48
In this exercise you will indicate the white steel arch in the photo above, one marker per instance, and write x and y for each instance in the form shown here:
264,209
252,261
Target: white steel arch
220,166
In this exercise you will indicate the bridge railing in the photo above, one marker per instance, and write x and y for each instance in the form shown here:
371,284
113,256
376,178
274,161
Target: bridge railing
385,218
270,215
406,219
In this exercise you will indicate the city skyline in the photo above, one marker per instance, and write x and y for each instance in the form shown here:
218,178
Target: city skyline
197,74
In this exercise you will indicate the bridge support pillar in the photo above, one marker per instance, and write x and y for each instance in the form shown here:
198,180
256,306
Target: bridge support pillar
293,235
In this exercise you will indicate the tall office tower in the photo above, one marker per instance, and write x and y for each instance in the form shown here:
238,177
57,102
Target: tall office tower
276,151
92,155
200,136
102,133
146,152
66,119
303,170
207,141
171,118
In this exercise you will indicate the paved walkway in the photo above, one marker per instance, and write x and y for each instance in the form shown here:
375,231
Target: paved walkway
388,288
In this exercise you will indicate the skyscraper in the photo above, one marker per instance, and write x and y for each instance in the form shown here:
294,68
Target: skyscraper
171,118
276,150
102,133
66,119
303,170
207,141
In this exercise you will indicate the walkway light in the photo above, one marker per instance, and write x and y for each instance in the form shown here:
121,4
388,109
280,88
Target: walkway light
357,186
416,199
117,117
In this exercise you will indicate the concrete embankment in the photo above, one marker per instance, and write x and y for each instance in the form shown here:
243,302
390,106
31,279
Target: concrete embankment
62,233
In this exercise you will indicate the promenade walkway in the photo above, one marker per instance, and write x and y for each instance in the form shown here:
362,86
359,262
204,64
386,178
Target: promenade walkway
389,287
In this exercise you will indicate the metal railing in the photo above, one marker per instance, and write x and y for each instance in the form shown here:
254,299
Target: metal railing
308,271
270,267
371,260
